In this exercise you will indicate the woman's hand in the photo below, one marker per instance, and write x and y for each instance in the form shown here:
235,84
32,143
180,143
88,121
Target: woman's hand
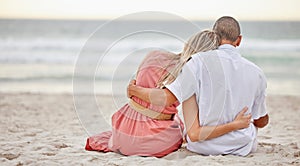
242,121
129,87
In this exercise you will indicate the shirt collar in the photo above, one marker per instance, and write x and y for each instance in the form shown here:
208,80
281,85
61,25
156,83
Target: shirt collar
234,53
226,46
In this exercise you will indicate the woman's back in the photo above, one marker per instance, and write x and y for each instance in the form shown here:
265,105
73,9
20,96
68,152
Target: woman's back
137,134
134,133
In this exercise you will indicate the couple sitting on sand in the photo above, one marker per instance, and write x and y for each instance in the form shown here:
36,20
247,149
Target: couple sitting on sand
222,96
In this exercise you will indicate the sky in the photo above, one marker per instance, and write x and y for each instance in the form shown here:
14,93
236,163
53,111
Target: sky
190,9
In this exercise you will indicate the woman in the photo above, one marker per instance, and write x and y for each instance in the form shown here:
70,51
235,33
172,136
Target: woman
144,129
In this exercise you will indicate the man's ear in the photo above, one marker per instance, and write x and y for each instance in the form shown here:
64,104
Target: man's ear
238,40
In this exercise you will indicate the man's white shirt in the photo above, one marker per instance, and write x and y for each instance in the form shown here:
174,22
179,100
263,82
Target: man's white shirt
224,82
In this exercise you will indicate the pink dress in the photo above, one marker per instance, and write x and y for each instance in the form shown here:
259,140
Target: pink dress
136,134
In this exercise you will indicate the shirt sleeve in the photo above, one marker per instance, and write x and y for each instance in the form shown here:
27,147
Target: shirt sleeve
185,84
259,107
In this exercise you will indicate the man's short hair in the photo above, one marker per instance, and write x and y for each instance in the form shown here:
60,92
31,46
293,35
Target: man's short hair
228,28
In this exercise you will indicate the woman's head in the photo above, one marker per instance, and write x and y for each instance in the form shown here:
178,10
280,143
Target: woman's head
203,41
200,42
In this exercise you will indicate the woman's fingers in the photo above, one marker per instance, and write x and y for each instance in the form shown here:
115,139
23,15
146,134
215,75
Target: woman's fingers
242,112
243,120
249,116
131,83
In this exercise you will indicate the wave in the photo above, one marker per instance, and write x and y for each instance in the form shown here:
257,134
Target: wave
65,50
292,45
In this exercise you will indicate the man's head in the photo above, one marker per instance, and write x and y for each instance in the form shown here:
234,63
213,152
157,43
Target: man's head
229,30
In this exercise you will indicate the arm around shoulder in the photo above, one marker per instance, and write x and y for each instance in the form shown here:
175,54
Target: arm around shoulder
196,132
161,97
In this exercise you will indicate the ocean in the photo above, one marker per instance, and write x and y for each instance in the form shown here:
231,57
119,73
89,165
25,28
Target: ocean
41,56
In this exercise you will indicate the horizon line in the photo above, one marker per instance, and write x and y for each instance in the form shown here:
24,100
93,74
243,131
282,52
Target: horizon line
138,19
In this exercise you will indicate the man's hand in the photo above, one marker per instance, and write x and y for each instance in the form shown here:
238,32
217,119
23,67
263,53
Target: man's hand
262,121
129,88
242,121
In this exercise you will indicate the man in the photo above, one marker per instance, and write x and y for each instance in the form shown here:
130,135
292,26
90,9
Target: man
223,83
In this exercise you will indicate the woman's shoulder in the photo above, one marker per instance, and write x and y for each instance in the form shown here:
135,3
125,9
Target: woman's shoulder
160,53
159,57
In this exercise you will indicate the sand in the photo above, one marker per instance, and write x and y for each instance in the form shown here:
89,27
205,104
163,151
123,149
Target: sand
43,129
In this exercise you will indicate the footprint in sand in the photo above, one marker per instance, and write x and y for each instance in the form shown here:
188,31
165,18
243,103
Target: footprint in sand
262,144
10,156
293,145
30,134
48,154
61,146
265,137
297,154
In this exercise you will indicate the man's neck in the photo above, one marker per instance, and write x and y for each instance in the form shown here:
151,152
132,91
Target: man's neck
223,41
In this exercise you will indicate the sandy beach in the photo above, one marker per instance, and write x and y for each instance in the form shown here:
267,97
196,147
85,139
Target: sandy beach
44,129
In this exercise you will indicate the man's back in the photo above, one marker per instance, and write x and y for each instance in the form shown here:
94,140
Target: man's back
224,83
244,84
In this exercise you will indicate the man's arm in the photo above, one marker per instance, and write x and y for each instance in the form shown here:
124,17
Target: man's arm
261,118
200,133
262,121
161,97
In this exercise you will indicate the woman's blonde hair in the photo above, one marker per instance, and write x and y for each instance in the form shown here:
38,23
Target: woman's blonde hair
203,41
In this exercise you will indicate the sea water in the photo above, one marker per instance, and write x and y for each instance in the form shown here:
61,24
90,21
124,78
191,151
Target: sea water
41,55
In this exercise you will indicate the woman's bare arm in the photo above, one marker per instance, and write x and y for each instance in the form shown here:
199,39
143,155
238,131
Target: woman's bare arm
201,133
161,97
